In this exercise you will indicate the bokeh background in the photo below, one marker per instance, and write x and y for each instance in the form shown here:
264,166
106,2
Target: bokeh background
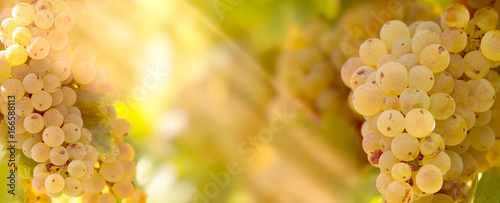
210,121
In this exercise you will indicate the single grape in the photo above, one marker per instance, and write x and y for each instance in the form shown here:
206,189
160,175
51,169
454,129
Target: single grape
405,147
54,183
419,122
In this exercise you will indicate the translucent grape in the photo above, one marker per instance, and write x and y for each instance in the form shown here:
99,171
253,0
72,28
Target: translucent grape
422,39
481,138
95,184
360,75
33,123
401,172
401,47
421,77
72,186
40,67
16,54
44,19
419,122
24,107
412,98
40,152
384,143
85,137
91,154
76,151
470,165
53,136
28,145
19,72
130,169
54,183
391,102
429,25
21,36
442,161
77,168
456,67
72,132
405,147
461,147
457,15
460,92
12,87
392,31
409,61
371,50
392,78
57,40
435,57
69,96
112,172
454,39
58,155
453,129
391,123
386,161
486,19
53,117
431,145
490,45
441,106
386,59
442,198
443,83
481,95
468,115
41,100
8,26
429,179
33,83
493,154
61,69
399,192
367,99
476,65
23,14
64,21
38,182
383,181
51,83
38,48
483,118
106,198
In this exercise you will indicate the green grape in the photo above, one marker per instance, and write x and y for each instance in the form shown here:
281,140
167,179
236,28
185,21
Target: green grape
33,123
57,97
54,183
442,161
21,71
61,69
367,99
399,192
470,165
409,61
486,19
386,59
482,119
490,45
429,25
16,55
429,179
72,132
64,21
456,67
5,70
391,102
62,109
123,188
8,26
435,57
421,77
493,154
85,136
372,78
444,83
72,187
412,98
481,95
371,50
431,145
95,184
89,197
38,182
441,106
57,40
12,87
453,129
477,4
138,197
23,14
91,154
383,181
112,171
76,168
405,147
366,127
457,15
53,136
41,100
494,78
442,198
38,48
401,172
419,122
74,110
460,92
84,72
476,65
69,96
401,47
393,30
21,36
28,145
33,83
123,151
51,83
456,165
40,67
467,114
58,155
55,195
89,170
392,78
454,39
53,117
391,123
76,151
24,107
106,198
481,138
442,22
478,155
40,152
422,39
461,147
44,19
130,169
384,144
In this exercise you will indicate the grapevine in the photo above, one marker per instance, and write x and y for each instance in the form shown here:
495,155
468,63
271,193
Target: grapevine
68,136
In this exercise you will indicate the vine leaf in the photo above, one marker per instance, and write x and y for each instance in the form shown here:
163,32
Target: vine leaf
26,166
95,120
488,187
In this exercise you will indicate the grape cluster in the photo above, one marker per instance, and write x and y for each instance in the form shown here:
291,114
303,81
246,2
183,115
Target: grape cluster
427,93
38,69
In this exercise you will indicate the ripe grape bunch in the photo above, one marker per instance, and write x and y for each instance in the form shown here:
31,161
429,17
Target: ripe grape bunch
428,95
45,79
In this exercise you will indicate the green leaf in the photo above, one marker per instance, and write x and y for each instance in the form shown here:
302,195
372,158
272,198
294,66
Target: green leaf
26,166
470,196
95,120
488,187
